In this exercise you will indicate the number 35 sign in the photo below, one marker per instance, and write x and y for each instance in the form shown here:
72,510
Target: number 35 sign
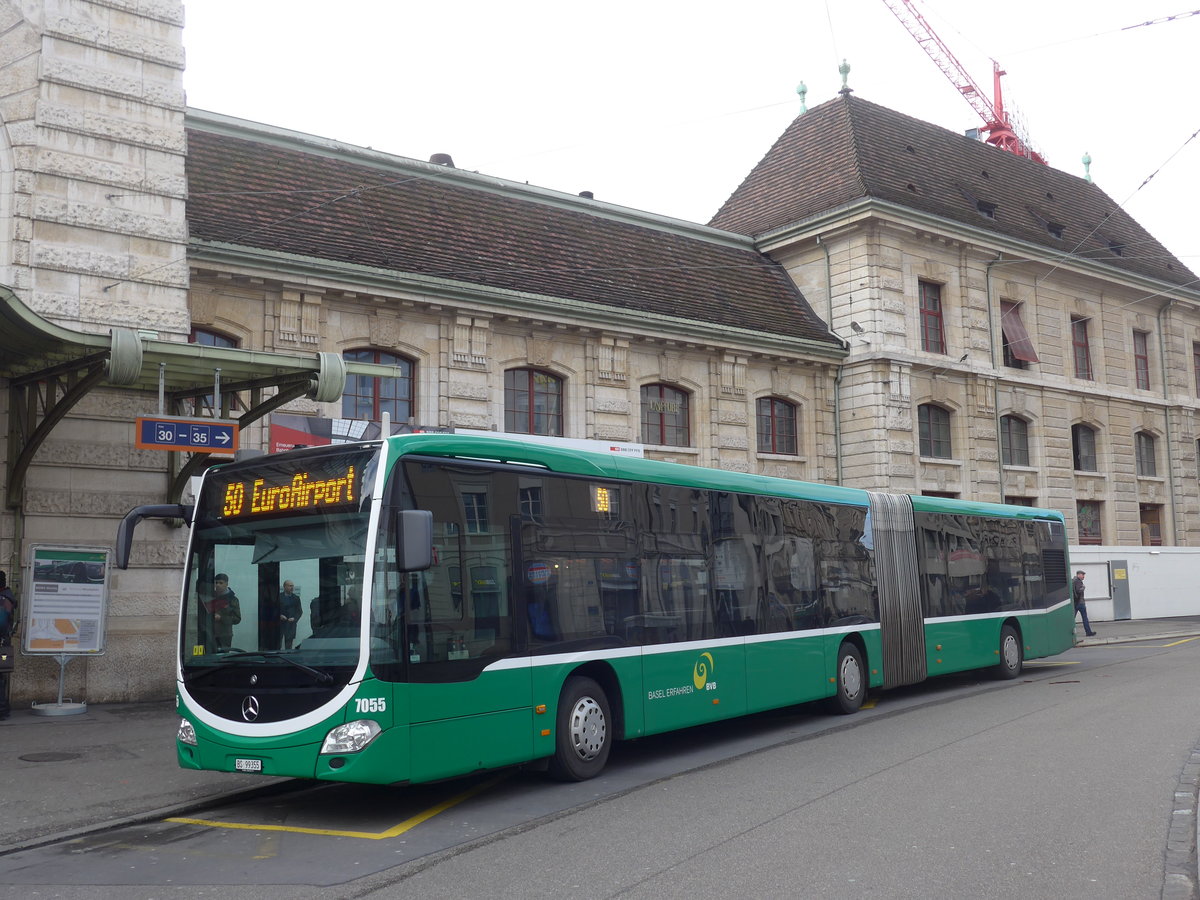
193,435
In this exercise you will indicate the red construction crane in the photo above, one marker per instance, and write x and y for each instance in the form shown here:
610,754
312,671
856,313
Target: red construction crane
1001,131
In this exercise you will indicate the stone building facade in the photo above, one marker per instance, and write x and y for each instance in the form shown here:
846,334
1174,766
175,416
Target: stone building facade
93,235
94,317
1046,344
601,299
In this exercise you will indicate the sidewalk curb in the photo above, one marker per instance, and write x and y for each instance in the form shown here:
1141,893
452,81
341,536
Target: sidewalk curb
1132,639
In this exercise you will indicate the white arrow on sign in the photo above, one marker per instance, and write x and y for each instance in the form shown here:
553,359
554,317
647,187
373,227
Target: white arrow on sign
223,437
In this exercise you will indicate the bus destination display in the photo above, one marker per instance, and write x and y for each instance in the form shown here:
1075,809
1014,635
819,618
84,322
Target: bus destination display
256,497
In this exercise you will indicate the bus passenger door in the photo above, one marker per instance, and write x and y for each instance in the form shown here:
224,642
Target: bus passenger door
468,700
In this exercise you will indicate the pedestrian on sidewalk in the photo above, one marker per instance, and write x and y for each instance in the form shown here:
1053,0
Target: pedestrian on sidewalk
1080,605
8,624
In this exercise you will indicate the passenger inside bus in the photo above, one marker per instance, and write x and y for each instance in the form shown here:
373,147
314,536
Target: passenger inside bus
222,610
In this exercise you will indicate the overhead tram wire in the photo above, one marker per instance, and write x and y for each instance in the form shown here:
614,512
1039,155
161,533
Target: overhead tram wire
1072,252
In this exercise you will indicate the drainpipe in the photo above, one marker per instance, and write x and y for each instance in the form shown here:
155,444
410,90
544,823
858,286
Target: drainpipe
996,380
1162,360
837,380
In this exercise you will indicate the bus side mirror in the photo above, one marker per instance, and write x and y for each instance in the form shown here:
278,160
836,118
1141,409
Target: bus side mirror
414,540
135,515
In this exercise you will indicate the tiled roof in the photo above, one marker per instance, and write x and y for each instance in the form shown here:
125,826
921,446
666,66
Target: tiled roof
848,149
304,196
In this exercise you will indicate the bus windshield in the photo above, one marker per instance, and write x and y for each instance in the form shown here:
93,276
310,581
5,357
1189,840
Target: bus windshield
276,567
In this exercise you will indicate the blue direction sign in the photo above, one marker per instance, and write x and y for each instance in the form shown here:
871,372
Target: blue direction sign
194,435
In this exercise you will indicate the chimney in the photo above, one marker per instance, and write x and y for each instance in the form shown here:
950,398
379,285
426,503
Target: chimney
442,159
587,195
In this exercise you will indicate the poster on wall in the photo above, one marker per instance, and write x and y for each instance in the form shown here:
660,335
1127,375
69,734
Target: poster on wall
66,600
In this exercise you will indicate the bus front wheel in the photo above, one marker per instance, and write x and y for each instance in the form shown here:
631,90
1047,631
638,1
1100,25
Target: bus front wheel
1011,656
851,681
584,734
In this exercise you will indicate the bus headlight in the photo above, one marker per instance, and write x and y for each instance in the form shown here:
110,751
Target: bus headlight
351,737
186,733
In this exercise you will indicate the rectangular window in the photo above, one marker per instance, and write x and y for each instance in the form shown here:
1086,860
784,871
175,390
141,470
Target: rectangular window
1083,447
1014,441
1141,360
1088,513
933,334
1145,451
776,426
933,429
1196,366
475,511
665,418
1079,346
1018,348
1151,522
529,501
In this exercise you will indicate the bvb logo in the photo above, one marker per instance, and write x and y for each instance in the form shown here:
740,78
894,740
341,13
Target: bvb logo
702,669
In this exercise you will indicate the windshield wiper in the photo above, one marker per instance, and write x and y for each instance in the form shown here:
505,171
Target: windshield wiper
321,677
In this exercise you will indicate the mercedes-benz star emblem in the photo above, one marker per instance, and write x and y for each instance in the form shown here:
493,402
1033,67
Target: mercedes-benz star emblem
250,709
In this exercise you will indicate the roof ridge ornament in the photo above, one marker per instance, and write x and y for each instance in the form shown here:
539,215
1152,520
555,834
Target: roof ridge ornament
802,90
1087,167
844,71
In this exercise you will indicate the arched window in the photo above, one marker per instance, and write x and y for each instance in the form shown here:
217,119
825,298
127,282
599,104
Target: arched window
209,338
1083,447
933,425
777,432
1014,441
370,396
533,402
1144,446
665,416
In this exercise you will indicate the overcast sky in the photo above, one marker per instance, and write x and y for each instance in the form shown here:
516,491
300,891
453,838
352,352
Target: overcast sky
665,105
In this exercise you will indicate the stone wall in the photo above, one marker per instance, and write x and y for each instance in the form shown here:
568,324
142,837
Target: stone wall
92,194
871,269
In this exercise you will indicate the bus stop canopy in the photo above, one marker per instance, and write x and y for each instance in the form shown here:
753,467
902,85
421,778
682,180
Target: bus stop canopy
49,368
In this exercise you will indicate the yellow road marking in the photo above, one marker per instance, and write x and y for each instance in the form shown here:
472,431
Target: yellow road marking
1184,641
406,825
869,704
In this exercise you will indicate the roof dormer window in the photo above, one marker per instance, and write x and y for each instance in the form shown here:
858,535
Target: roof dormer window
1055,230
985,208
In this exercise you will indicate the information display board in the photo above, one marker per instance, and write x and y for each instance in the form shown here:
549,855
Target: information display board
66,600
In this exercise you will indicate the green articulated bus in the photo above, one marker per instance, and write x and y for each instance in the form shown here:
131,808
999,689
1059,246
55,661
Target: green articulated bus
467,603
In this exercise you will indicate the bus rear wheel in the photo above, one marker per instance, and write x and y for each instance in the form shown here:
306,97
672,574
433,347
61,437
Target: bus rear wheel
583,737
1011,655
851,681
